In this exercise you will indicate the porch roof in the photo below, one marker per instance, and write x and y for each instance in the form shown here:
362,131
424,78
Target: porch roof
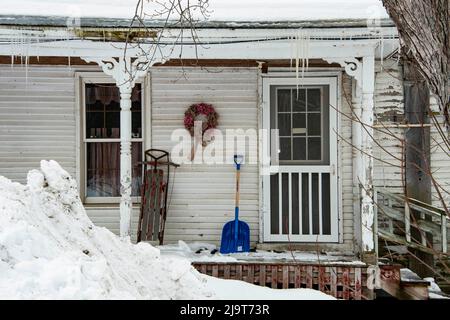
88,22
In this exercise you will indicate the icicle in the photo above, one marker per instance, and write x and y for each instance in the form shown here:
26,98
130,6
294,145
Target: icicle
382,51
291,48
297,42
37,47
308,51
26,70
21,48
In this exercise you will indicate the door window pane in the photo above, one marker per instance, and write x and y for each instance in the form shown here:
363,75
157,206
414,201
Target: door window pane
299,101
314,149
299,148
285,149
284,124
314,124
314,100
284,100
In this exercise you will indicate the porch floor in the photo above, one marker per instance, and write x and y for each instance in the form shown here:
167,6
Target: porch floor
204,252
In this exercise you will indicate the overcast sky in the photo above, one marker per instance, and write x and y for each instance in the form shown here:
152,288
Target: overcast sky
228,10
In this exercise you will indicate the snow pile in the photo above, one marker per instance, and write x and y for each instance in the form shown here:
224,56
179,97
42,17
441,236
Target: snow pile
49,249
434,291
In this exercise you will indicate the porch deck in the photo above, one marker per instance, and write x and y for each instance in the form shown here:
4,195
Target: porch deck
342,277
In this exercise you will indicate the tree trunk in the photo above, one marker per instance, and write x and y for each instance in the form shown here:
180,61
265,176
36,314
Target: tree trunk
417,145
423,27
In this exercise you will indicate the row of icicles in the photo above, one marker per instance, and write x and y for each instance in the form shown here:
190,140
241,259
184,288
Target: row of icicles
300,53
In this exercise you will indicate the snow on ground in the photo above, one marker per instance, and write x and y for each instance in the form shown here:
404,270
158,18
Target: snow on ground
205,252
434,291
49,249
221,10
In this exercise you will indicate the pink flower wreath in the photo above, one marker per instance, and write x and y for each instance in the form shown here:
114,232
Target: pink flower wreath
200,112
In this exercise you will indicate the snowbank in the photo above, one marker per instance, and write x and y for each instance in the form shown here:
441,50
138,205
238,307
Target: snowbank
49,249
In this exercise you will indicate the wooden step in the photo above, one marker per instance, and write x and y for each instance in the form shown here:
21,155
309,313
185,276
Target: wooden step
401,287
400,240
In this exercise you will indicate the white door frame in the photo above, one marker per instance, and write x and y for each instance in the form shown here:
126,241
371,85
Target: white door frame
331,81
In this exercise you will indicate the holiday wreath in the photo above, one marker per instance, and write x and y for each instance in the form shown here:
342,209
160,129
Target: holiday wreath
200,112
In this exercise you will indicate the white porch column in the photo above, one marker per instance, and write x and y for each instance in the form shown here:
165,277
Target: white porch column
125,72
363,73
356,159
366,153
126,177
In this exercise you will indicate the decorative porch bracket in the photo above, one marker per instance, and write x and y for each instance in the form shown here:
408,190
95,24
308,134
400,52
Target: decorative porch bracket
363,72
125,71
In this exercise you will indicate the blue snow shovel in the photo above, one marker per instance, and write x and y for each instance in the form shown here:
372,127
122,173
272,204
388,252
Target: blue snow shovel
236,234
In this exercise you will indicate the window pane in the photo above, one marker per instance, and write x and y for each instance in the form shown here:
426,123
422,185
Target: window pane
285,203
314,149
314,124
103,169
285,149
295,204
103,111
315,203
314,100
299,149
299,124
284,100
136,112
326,213
305,203
299,102
274,205
284,124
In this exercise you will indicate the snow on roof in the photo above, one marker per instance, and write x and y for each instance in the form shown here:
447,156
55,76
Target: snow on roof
221,10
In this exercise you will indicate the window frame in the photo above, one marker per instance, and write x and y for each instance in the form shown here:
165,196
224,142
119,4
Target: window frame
100,78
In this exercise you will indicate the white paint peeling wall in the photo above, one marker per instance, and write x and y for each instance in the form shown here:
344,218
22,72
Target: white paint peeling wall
387,146
387,171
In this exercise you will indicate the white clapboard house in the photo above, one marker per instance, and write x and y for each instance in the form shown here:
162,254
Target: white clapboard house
333,89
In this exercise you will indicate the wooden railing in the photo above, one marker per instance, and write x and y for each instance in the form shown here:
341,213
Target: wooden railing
393,222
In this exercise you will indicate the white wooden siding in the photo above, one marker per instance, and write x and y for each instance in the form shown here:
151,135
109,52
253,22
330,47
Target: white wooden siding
203,195
37,119
346,163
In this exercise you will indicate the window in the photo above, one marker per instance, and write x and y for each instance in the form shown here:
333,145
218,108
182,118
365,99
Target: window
102,141
301,116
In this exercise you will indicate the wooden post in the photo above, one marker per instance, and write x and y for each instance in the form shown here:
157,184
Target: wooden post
365,173
417,145
444,233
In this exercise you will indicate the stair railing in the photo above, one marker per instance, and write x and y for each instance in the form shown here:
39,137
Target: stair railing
391,207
